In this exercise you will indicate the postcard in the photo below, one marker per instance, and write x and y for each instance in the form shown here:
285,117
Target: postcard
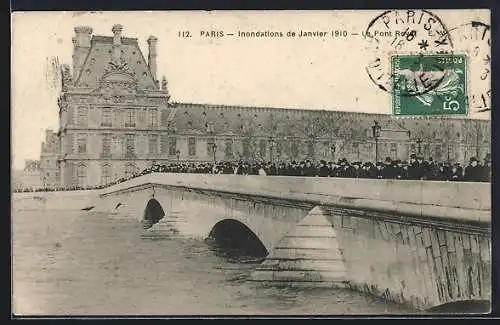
205,163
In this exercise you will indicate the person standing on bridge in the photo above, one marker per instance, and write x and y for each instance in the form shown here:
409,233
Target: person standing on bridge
487,168
323,170
473,172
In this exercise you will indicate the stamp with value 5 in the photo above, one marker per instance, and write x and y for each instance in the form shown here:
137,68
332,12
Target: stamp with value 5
429,84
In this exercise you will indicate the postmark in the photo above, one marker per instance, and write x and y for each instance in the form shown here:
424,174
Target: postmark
421,86
415,32
474,39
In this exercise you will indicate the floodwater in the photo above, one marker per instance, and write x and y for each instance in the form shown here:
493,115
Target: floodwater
89,263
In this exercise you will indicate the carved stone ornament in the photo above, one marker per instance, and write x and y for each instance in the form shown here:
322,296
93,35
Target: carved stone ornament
67,79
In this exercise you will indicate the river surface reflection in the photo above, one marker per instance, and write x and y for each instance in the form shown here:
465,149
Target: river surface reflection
88,263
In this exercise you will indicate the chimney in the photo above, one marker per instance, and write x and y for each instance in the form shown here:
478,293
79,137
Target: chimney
48,134
152,56
117,41
81,47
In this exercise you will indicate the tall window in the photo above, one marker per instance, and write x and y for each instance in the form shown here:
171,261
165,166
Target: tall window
82,116
394,150
69,143
246,148
326,149
262,148
130,118
172,146
228,148
105,174
153,117
426,149
355,148
82,143
210,147
310,148
106,117
81,173
117,145
438,151
164,144
192,146
106,146
153,144
130,145
295,149
130,170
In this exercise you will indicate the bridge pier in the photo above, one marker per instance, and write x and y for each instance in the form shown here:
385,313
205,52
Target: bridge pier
308,256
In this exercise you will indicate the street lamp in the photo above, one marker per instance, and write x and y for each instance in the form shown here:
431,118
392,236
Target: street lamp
178,153
214,149
376,134
419,147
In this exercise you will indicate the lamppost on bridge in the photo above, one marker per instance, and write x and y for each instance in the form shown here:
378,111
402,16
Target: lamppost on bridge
419,145
178,153
376,134
214,149
333,148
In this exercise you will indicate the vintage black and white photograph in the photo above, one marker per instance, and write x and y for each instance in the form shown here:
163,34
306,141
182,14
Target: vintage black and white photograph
169,163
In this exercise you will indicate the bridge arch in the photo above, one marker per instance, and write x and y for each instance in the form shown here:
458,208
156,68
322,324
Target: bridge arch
153,213
234,239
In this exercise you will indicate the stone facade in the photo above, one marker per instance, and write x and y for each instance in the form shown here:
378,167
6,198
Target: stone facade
49,169
116,118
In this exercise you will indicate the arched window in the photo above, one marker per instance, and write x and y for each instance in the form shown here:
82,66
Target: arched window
81,174
105,174
130,169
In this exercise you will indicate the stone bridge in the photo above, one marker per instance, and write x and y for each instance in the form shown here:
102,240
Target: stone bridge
422,244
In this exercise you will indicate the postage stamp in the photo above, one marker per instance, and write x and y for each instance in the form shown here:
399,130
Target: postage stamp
429,84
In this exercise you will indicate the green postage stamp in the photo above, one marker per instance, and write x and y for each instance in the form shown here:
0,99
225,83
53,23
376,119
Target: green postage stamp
429,84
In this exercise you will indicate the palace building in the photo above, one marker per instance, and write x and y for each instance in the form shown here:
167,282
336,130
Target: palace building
116,118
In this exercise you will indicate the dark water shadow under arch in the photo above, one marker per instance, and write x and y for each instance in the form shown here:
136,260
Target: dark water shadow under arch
153,213
236,242
462,307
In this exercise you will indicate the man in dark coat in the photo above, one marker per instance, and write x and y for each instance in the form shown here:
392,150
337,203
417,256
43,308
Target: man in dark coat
442,172
413,167
399,171
487,169
380,170
455,173
356,169
422,168
323,170
309,169
388,170
371,170
473,172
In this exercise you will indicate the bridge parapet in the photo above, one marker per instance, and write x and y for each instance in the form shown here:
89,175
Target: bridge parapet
461,201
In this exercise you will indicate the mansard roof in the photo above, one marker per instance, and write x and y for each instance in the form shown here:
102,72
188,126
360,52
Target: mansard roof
267,121
99,56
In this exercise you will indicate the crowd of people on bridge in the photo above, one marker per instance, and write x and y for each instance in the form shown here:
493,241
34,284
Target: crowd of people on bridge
417,168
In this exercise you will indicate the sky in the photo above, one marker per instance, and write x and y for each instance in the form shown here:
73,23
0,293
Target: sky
293,72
